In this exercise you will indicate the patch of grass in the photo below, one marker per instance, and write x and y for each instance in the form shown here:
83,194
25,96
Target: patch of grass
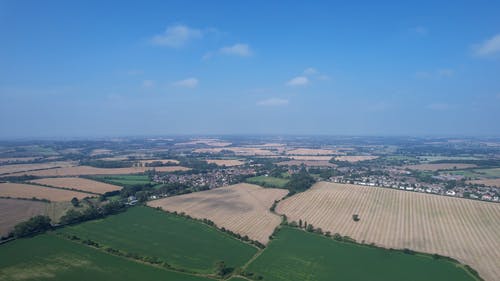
124,180
181,242
47,257
298,255
268,181
492,173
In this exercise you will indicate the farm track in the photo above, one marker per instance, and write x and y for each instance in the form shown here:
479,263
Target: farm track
466,230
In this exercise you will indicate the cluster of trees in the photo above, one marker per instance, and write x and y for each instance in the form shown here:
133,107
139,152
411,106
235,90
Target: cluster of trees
73,216
197,166
310,228
35,225
106,164
300,181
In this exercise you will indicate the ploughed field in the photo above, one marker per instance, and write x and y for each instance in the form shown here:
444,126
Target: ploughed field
242,208
463,229
79,184
181,242
28,191
13,211
298,255
87,170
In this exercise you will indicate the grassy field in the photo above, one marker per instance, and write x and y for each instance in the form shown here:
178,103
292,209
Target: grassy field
299,255
181,242
47,257
492,173
268,181
124,180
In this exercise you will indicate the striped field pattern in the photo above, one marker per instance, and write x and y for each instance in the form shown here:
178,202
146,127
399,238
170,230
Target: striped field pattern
466,230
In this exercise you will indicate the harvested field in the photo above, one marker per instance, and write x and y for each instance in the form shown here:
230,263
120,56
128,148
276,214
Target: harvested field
307,163
311,151
312,158
13,211
242,208
355,158
87,170
243,151
227,163
440,166
488,182
21,190
79,184
466,230
16,168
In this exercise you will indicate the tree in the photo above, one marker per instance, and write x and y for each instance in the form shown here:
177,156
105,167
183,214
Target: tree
222,270
300,223
75,202
37,224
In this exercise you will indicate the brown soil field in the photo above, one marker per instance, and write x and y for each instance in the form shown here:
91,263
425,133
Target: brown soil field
312,158
16,168
79,184
307,163
164,161
86,170
243,151
488,182
466,230
440,166
14,211
355,158
227,163
242,208
310,151
21,190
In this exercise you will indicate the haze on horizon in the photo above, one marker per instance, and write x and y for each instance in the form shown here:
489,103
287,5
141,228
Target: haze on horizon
120,68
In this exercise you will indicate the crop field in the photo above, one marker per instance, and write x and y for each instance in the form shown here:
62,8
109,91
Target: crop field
242,208
440,166
243,151
87,170
209,142
79,184
311,151
163,161
16,160
181,242
48,257
311,157
21,190
13,211
125,180
225,162
355,158
298,255
466,230
308,163
488,182
268,181
17,168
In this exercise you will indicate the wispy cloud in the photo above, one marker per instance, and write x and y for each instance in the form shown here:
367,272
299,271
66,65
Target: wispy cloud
147,84
176,36
489,47
273,102
310,71
239,49
298,81
187,83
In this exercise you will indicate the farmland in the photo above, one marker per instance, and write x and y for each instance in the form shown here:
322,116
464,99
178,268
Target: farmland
440,166
124,180
355,158
180,242
462,229
268,181
15,211
298,255
241,208
489,182
87,170
308,163
28,191
18,168
225,162
78,184
163,161
311,157
243,151
311,151
48,257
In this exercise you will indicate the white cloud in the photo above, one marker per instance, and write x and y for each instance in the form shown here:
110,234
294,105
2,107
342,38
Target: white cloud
187,83
176,36
310,71
273,102
298,81
148,84
242,50
489,47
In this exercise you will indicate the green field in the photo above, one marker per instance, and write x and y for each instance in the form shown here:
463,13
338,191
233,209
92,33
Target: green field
268,181
181,242
299,255
492,173
47,257
124,180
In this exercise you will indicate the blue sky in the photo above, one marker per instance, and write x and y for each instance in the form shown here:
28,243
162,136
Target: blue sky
104,68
